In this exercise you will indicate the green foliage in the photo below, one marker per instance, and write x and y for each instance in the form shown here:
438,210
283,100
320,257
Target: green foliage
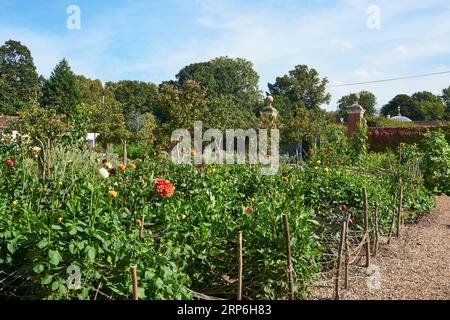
79,121
190,238
360,143
109,122
136,97
446,99
43,125
367,100
224,76
225,112
303,124
146,132
91,91
302,85
380,122
437,162
423,106
180,107
18,78
62,90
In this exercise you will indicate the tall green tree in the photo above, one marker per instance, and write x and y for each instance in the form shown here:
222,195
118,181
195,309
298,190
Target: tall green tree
224,112
180,107
366,99
421,106
62,90
18,77
136,97
430,105
446,99
91,91
109,121
408,107
303,124
301,85
224,76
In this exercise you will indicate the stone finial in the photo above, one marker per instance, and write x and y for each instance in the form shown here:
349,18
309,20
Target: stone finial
355,98
268,109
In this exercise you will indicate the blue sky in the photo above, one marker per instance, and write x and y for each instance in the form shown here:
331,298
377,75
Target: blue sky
152,40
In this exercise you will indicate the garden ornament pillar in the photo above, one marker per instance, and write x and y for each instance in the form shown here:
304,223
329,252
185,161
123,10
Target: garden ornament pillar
355,115
270,111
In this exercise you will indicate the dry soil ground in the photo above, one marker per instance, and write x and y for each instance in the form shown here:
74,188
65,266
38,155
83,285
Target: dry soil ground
415,266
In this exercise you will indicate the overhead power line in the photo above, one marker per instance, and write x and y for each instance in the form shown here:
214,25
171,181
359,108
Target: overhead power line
391,79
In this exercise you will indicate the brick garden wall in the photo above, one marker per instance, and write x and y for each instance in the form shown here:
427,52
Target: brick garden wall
382,139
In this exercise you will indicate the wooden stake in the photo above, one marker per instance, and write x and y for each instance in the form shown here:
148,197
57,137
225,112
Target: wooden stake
391,229
141,228
241,268
135,286
289,259
375,245
48,168
347,253
399,212
338,267
366,227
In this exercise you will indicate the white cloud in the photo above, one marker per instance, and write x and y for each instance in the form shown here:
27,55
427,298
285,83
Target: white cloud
402,49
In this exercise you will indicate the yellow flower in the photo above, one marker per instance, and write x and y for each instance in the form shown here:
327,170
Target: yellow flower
112,193
286,179
14,203
317,168
318,162
139,222
60,219
108,165
326,169
132,165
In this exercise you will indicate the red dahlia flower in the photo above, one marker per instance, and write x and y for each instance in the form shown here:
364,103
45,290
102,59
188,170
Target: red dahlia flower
199,167
344,208
104,161
248,209
10,163
164,188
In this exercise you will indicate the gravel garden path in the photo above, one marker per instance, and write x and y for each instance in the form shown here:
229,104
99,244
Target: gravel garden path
416,266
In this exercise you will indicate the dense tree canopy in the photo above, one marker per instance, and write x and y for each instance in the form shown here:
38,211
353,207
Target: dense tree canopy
225,76
181,106
136,98
223,93
91,90
62,90
366,99
301,85
421,106
18,77
446,99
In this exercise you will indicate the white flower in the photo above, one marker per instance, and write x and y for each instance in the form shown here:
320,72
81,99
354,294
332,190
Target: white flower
104,173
